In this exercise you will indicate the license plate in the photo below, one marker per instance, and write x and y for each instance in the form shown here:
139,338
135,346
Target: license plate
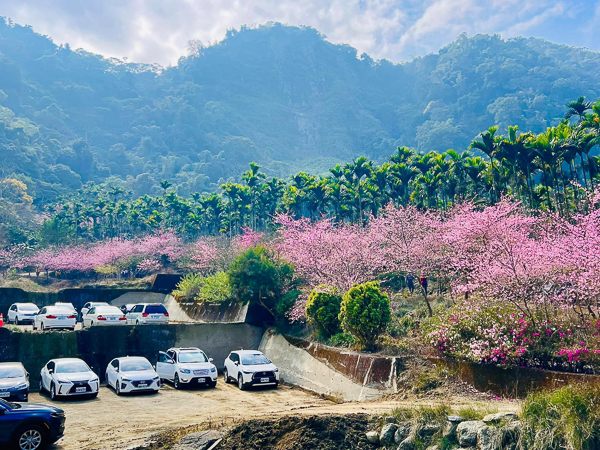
264,380
156,317
142,385
201,380
61,318
4,394
80,389
112,318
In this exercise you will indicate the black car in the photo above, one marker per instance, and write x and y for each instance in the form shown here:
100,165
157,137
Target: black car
14,382
30,426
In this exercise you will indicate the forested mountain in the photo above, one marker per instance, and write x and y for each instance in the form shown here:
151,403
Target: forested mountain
280,96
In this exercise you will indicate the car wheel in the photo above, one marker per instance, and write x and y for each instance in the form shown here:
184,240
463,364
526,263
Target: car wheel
137,322
118,387
52,392
43,327
94,395
225,376
212,384
176,383
30,437
241,384
276,385
41,386
17,321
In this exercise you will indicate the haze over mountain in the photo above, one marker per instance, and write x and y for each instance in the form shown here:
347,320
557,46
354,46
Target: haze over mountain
280,96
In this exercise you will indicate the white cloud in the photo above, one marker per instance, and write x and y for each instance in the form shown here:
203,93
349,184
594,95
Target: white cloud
158,30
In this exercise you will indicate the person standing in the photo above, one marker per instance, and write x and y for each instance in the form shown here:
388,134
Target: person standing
410,282
423,281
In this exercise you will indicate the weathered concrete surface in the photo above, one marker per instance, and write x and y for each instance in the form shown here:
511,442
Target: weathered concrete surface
512,382
99,345
342,374
212,313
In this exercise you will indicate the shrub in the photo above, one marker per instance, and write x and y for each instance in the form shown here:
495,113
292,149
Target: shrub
215,289
188,287
565,418
365,312
341,340
323,310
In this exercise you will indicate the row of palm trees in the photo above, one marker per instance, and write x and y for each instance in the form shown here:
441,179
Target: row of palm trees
549,170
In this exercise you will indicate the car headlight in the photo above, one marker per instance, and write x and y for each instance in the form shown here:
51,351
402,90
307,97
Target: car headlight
64,382
185,370
276,369
248,373
125,379
20,386
155,378
95,380
213,369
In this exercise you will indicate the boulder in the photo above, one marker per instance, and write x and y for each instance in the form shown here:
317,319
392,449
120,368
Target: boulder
407,444
467,432
489,438
498,417
198,441
450,428
433,447
386,437
391,419
429,429
373,437
455,419
402,432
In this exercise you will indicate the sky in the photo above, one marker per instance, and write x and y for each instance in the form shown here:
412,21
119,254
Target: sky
158,31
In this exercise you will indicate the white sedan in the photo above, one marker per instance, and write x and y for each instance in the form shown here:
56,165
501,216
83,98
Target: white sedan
54,317
88,306
104,315
19,313
132,374
66,377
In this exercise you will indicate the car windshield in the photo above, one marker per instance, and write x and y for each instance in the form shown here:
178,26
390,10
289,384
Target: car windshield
252,360
109,310
72,367
192,357
134,365
11,372
58,310
156,309
27,308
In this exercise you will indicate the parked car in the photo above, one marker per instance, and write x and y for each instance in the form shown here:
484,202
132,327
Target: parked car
65,305
66,377
104,315
20,313
88,306
30,426
132,374
54,317
148,313
250,368
14,382
186,366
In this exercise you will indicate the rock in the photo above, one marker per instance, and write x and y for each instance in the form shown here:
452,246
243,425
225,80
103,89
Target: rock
510,433
198,441
467,432
498,417
429,429
450,429
407,444
489,438
433,447
386,437
455,419
373,437
391,419
402,432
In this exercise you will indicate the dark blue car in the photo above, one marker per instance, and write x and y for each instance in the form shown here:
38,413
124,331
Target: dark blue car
30,426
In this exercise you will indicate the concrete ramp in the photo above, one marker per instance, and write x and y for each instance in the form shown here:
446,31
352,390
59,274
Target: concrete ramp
344,375
176,313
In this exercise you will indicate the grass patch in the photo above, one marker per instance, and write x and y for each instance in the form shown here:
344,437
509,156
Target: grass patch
475,413
567,418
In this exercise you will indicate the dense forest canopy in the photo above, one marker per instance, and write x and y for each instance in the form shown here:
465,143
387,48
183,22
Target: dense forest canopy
280,96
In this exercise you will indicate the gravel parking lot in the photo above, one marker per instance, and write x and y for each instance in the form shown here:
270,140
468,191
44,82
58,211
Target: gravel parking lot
112,422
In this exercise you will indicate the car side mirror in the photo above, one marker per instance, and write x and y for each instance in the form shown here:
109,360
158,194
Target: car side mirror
116,369
170,361
50,371
153,366
210,360
237,363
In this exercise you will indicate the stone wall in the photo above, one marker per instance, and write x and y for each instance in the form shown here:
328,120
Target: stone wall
339,373
99,345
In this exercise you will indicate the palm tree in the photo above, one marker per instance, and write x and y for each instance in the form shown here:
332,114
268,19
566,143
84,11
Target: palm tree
578,108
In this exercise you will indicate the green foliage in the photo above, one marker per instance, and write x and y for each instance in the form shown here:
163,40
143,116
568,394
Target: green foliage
188,288
564,418
323,310
343,340
214,289
365,313
258,276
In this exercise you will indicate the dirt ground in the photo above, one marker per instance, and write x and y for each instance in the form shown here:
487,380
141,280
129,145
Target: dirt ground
112,422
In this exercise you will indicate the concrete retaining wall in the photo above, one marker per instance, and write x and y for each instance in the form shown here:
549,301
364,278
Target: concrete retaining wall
99,345
345,375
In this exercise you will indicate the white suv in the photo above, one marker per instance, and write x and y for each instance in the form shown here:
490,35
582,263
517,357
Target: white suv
250,368
148,313
186,366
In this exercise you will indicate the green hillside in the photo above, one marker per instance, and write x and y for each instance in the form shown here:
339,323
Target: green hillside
281,96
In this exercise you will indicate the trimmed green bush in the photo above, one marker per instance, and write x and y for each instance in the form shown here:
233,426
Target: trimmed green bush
365,313
323,310
188,287
215,289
